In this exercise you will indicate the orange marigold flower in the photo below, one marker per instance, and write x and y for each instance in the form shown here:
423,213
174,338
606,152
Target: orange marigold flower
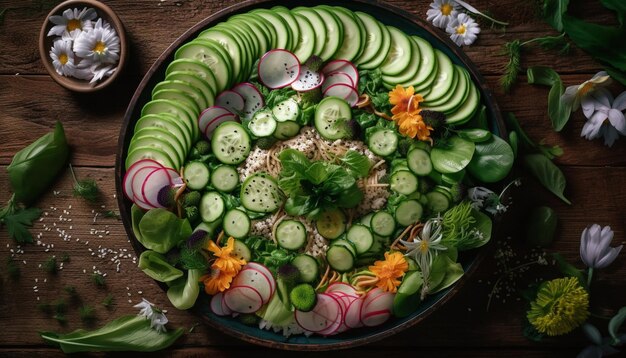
412,125
404,100
226,261
216,281
390,270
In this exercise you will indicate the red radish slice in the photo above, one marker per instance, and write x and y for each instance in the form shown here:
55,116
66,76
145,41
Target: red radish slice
342,66
352,317
175,178
138,179
264,270
334,78
210,114
308,80
376,318
343,91
208,130
256,279
336,325
142,204
323,316
130,173
154,182
225,308
253,99
216,305
342,287
377,308
278,68
230,100
243,299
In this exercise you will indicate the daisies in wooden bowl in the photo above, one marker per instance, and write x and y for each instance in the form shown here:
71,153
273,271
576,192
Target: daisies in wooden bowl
82,45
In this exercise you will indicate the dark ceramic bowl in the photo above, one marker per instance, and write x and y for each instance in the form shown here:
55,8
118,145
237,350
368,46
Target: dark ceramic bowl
387,14
45,43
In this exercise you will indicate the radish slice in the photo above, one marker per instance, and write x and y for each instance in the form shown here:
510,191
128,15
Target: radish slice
326,312
342,287
264,270
225,308
336,325
175,178
253,99
308,80
352,317
216,305
376,318
278,68
377,308
230,100
334,78
256,279
142,204
208,130
243,299
154,182
137,182
130,173
343,91
342,66
210,114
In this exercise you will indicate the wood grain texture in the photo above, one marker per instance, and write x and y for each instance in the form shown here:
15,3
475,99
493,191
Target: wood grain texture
30,103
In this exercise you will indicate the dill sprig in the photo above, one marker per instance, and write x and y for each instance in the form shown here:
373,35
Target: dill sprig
513,50
108,301
87,314
98,279
86,188
50,265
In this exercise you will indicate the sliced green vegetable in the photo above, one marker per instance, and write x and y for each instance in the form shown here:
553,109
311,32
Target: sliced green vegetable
492,160
452,157
184,291
156,266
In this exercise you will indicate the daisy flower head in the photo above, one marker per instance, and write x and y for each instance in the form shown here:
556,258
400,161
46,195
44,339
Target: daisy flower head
605,116
573,95
442,12
100,45
70,21
63,57
463,30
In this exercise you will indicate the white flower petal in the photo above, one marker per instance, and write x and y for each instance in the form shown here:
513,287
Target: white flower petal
608,257
569,95
610,134
603,96
588,106
617,120
620,102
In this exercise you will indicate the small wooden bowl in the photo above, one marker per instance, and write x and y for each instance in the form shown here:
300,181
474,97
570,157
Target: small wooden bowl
46,42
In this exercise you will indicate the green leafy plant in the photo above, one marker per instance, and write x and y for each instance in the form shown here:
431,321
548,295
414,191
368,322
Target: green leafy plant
558,111
86,188
50,265
98,279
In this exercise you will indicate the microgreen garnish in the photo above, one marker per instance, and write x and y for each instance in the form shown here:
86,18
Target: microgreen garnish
86,188
50,265
60,307
98,279
108,301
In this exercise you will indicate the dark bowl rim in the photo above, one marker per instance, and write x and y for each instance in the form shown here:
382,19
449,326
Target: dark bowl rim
488,100
74,84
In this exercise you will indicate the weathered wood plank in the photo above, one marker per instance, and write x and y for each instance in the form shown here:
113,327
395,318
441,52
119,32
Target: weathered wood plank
31,104
153,25
501,326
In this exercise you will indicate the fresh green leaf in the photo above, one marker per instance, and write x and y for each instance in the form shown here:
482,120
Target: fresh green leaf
156,266
108,301
619,6
492,160
127,333
192,259
558,111
616,323
86,188
278,95
553,11
513,141
317,173
454,156
17,224
350,197
161,230
453,272
365,119
357,163
184,291
569,270
548,174
527,145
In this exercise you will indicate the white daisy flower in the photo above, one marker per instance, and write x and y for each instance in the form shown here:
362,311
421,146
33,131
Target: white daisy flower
441,12
605,116
573,95
100,45
63,57
72,19
155,315
97,72
463,30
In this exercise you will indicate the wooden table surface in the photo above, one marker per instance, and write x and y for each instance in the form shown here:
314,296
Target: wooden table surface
30,103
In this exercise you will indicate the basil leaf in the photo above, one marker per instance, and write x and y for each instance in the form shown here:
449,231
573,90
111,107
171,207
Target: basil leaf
317,173
127,333
553,11
161,230
541,75
156,266
350,197
548,174
616,322
357,163
558,112
492,160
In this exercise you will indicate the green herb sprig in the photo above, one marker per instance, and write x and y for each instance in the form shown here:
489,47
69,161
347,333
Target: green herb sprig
98,279
108,301
50,265
86,188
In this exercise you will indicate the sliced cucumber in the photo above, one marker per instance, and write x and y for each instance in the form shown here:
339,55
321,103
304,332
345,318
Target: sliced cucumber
408,72
331,224
208,53
236,224
308,267
409,212
367,220
467,110
373,43
286,130
261,193
362,238
437,201
352,44
287,110
193,92
262,124
211,206
334,32
428,64
445,77
317,24
195,67
186,117
399,55
242,251
155,154
179,97
403,182
419,162
383,142
168,123
162,140
331,117
377,52
196,175
283,31
290,234
230,143
225,178
306,42
383,223
340,258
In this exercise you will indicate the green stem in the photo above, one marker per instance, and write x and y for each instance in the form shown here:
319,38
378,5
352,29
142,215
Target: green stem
589,277
542,38
9,209
73,175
